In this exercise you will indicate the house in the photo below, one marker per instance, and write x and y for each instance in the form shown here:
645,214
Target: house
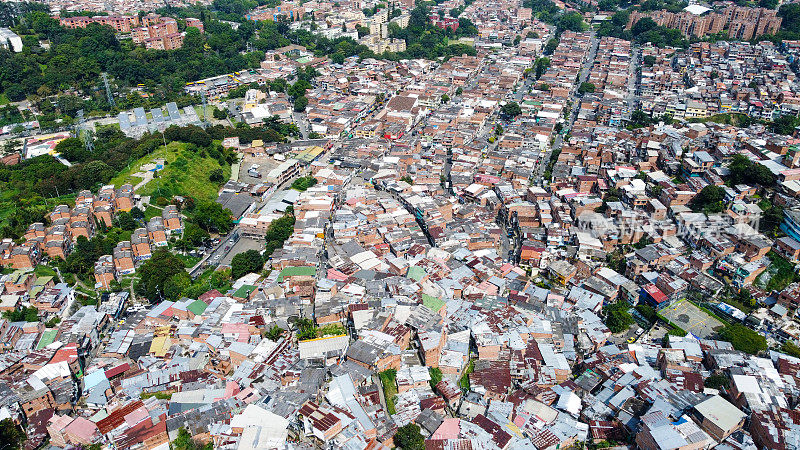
562,271
718,417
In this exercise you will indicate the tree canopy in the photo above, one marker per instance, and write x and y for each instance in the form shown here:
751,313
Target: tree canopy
709,199
11,436
617,317
243,263
743,338
743,170
156,276
409,437
511,109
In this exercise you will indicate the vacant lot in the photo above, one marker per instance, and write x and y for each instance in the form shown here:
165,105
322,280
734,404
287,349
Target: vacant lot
185,172
692,319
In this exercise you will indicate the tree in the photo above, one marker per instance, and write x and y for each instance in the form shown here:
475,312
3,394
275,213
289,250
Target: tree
743,170
10,435
646,311
184,441
274,333
125,221
176,285
716,381
586,87
540,66
156,271
436,376
305,329
250,261
216,176
193,234
409,437
790,13
644,25
445,98
709,199
303,183
649,60
617,317
511,109
550,47
300,104
570,21
212,217
72,150
219,114
640,119
337,58
743,339
791,349
362,31
29,314
459,91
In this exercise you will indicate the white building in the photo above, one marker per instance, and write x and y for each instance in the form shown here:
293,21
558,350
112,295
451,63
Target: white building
10,40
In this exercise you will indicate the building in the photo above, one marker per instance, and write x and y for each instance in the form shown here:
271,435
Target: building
10,40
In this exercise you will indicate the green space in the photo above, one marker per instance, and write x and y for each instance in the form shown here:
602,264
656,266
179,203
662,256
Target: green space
389,382
303,183
409,437
151,211
243,263
307,329
791,349
185,441
186,172
164,277
616,316
779,274
28,314
463,382
188,260
436,376
44,271
158,395
743,338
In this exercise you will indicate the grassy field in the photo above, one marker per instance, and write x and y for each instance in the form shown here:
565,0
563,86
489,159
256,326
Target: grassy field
778,275
151,211
389,381
4,100
188,261
185,173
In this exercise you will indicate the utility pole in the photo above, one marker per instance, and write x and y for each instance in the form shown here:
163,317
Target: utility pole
88,144
108,90
204,123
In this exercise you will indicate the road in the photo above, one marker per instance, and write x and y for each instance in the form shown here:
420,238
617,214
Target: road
230,245
574,100
302,123
633,81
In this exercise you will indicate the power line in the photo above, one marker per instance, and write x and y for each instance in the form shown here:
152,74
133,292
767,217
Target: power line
204,123
81,131
108,90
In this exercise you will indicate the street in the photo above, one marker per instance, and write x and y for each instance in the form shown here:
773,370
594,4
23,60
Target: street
586,68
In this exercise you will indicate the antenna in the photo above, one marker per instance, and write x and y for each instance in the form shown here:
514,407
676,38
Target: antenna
86,135
204,123
108,90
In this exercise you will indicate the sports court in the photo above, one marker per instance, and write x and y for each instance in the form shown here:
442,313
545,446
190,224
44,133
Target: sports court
691,318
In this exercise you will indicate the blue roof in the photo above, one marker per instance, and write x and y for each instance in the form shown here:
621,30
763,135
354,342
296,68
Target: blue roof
93,379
